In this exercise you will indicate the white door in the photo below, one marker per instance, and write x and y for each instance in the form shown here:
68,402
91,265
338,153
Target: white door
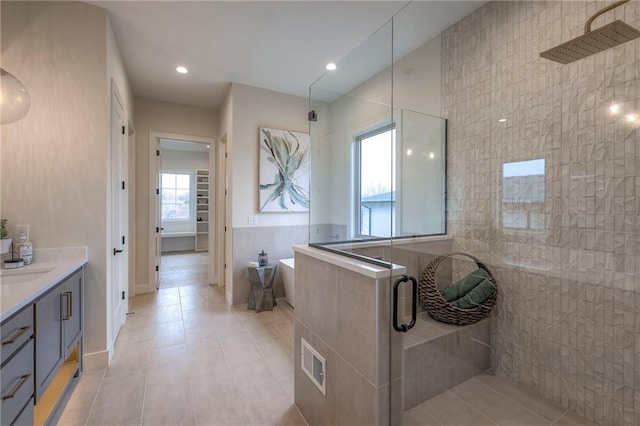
119,220
158,207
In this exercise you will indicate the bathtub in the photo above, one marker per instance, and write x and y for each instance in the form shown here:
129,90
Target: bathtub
288,275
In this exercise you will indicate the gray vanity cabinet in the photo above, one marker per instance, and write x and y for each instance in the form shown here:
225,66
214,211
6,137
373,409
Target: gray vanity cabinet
58,318
72,325
16,372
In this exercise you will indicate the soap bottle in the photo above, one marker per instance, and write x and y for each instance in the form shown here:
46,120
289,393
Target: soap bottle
24,250
22,247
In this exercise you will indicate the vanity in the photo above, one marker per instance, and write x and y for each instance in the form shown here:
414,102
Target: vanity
41,333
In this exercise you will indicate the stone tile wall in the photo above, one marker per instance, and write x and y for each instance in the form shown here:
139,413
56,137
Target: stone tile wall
568,317
345,316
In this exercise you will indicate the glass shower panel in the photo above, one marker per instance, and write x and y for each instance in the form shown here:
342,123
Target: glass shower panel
353,150
421,175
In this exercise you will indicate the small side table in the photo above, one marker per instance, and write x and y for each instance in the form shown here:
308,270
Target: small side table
262,297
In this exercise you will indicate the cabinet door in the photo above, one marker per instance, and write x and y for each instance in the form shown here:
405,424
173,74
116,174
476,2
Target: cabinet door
49,349
72,311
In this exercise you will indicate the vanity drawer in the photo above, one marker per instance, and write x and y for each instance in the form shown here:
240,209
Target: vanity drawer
14,332
26,417
17,383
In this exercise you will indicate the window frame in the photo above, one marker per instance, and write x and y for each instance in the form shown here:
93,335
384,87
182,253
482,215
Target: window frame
357,177
191,174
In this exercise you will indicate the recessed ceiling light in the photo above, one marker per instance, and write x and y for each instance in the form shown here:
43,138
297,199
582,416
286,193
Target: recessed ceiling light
432,155
208,146
331,66
631,118
502,120
409,151
182,70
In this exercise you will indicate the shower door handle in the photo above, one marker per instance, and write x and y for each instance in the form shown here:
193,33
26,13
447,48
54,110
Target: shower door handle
414,303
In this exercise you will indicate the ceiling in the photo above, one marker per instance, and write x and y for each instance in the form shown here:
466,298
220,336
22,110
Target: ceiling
276,45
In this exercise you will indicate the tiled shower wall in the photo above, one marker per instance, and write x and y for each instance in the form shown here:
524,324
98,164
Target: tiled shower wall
568,317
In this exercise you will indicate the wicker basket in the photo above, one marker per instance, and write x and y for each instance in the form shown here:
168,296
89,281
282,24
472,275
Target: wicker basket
443,311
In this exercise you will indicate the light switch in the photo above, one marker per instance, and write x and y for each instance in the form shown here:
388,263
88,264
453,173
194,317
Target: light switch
252,219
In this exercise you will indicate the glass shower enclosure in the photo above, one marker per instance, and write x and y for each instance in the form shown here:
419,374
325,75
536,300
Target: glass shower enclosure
378,189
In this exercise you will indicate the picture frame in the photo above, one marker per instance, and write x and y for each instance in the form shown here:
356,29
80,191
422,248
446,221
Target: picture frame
284,170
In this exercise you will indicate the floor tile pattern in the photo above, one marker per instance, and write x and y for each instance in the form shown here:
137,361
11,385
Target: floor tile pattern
181,269
188,358
490,400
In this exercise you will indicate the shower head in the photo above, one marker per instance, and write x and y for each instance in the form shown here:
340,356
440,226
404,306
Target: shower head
595,41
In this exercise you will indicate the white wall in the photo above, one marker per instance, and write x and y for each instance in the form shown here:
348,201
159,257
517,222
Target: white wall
55,160
254,108
158,116
244,110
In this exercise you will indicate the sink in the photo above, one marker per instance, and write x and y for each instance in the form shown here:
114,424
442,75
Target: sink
27,270
23,275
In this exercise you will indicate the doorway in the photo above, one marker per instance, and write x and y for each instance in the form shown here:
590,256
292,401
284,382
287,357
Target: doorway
182,249
184,213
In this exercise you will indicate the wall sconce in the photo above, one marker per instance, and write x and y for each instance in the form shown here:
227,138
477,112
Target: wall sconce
14,98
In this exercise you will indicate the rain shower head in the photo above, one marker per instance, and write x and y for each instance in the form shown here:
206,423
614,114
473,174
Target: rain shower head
595,41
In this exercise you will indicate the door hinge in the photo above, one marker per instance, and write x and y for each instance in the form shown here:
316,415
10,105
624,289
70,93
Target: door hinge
312,116
157,229
157,191
123,295
225,155
157,153
123,185
225,266
225,229
123,130
157,268
225,192
123,240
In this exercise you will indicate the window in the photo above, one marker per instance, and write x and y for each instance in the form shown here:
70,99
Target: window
376,184
176,196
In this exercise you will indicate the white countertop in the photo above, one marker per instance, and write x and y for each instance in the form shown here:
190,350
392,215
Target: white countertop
19,287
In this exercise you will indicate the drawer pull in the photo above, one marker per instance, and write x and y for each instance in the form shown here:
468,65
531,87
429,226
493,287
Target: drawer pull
67,296
23,380
15,337
70,303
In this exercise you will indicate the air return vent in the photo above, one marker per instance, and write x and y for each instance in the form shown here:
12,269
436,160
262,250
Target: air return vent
314,365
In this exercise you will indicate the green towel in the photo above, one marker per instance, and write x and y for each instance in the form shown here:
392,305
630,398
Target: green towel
476,296
462,287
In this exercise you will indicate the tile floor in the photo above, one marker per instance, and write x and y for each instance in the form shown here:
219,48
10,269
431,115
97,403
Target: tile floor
490,400
183,269
187,358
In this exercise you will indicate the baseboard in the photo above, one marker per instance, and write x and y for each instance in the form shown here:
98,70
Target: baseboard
95,360
142,289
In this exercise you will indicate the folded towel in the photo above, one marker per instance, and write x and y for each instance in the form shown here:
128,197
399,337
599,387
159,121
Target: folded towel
460,288
476,296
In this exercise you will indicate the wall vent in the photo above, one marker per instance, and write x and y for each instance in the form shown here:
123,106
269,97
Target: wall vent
314,365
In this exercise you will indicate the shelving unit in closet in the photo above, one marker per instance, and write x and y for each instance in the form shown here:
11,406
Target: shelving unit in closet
202,210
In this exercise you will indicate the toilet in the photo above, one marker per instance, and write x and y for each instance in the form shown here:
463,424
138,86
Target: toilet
288,278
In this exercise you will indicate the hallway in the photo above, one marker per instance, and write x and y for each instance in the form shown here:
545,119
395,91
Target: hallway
187,358
181,269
